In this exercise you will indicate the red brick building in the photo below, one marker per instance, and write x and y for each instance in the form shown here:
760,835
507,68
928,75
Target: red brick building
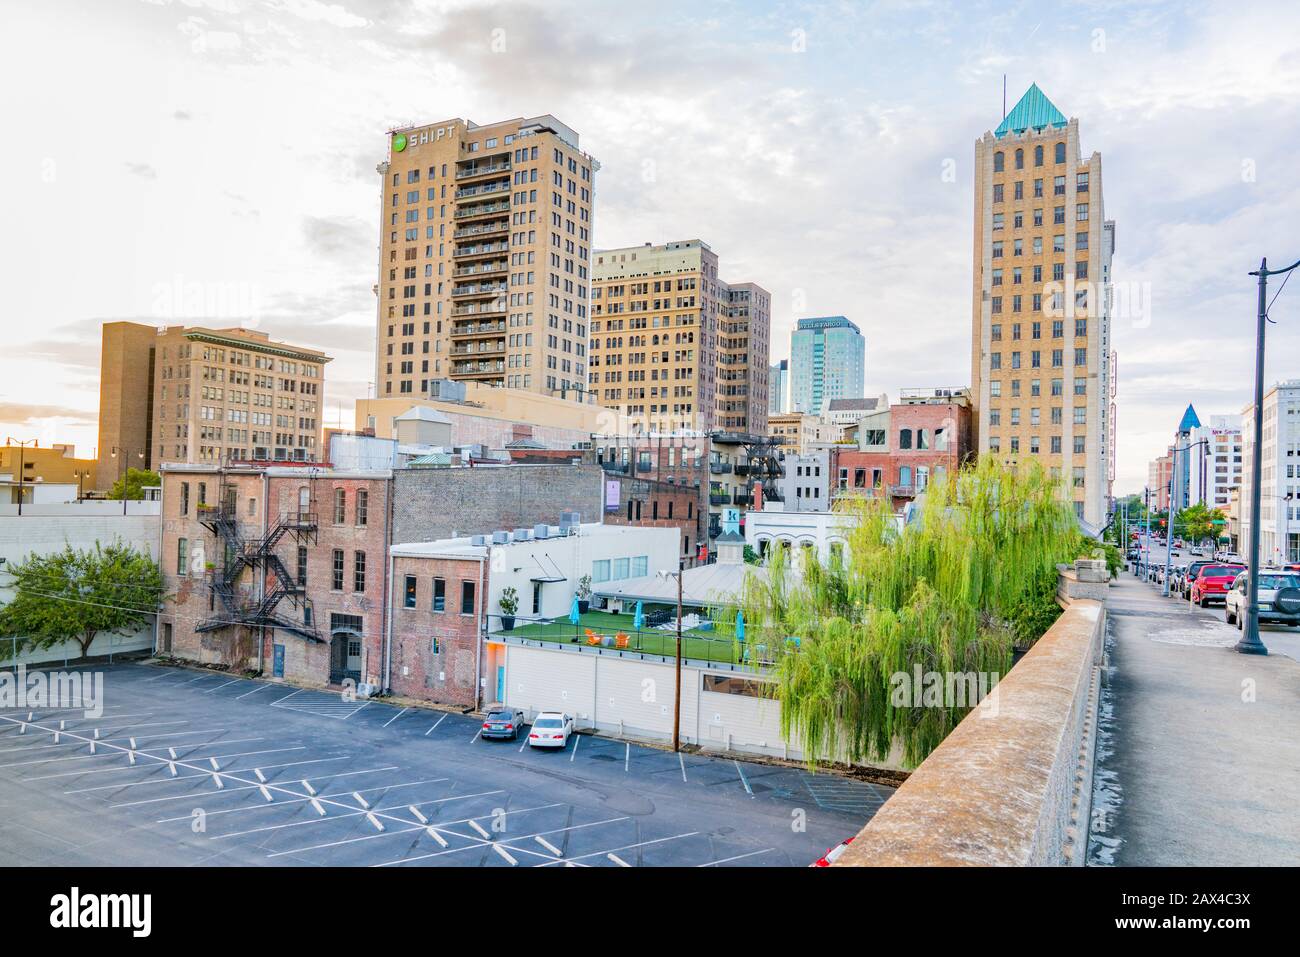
925,435
276,569
437,605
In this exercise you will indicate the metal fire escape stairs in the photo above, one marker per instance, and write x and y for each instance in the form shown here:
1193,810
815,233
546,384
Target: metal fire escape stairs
258,555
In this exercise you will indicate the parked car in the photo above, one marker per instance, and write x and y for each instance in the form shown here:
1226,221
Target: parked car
1192,571
504,723
833,854
1212,583
1279,598
551,729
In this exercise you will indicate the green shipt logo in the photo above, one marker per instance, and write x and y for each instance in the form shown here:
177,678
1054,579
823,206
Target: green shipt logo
399,142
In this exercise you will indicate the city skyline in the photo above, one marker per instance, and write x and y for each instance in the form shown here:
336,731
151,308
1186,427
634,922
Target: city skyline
246,207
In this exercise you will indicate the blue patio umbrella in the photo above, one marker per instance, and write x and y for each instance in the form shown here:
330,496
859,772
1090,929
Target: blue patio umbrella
574,614
740,626
638,619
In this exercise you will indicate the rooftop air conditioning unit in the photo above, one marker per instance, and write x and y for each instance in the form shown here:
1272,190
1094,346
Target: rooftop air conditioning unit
523,534
478,540
541,531
500,538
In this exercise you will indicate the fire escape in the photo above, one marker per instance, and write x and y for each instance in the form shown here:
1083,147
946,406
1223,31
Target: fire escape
238,553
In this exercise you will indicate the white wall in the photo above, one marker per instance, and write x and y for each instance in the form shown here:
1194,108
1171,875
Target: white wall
44,529
624,694
572,557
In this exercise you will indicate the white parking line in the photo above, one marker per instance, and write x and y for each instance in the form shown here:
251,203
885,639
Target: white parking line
548,845
260,687
627,755
743,779
72,774
682,761
250,786
396,716
219,687
512,843
618,860
476,736
577,740
505,854
205,774
259,807
738,857
625,847
435,725
287,697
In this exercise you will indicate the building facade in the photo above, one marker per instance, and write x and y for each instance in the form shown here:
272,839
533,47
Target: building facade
673,347
828,360
210,396
485,251
1216,467
778,388
1279,525
806,484
1040,349
1160,473
58,464
276,569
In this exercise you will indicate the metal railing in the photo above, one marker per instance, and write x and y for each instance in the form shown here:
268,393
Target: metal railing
614,633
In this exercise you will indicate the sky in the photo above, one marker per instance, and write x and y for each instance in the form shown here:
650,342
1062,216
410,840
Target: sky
213,162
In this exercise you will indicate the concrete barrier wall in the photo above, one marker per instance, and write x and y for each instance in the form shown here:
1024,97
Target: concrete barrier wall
1011,785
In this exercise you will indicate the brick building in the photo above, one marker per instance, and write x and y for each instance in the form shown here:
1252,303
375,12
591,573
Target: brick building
277,569
437,503
925,435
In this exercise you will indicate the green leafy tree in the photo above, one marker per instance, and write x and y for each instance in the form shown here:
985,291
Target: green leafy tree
77,594
132,484
955,591
1197,523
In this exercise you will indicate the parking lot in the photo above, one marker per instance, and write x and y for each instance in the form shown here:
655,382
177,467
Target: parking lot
190,767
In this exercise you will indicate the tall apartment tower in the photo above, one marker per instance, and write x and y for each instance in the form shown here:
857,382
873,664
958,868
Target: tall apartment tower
778,388
828,360
673,346
186,394
1041,340
484,257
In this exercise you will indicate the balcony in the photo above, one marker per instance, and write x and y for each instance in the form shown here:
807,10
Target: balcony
478,368
469,173
482,269
494,347
479,289
719,498
480,249
486,229
720,468
476,328
619,468
479,310
487,189
903,491
483,209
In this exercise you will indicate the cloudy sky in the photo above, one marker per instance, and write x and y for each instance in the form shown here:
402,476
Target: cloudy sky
207,161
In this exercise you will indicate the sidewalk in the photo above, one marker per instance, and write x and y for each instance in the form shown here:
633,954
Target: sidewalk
1198,752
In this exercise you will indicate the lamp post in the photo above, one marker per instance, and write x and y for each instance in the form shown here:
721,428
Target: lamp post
139,453
1169,532
1250,643
677,694
22,465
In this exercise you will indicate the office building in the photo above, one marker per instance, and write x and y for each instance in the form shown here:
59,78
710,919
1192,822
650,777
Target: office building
1040,349
1279,525
484,257
778,388
828,360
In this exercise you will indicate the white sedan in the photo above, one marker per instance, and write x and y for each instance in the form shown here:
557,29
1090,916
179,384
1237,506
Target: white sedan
551,729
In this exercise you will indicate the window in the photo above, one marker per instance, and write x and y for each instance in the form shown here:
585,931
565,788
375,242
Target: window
185,499
302,564
359,571
466,598
1038,156
905,437
1080,415
363,506
1060,152
999,162
182,554
622,567
640,566
340,505
408,598
439,594
338,570
600,570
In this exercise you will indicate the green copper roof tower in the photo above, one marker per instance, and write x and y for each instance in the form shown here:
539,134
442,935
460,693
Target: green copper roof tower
1034,112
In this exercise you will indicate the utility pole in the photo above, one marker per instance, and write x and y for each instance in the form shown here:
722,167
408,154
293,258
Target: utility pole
677,696
1250,643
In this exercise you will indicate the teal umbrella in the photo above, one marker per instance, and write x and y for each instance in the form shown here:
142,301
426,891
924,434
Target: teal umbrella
638,619
740,626
574,614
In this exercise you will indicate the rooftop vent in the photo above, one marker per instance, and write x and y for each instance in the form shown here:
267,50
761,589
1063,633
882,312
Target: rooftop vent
523,534
500,538
541,531
478,540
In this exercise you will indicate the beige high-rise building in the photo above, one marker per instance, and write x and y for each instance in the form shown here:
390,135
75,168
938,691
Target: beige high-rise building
186,394
1040,346
485,257
673,346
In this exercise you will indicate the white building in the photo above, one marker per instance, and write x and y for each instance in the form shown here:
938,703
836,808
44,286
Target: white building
44,529
806,484
1216,470
825,532
1280,474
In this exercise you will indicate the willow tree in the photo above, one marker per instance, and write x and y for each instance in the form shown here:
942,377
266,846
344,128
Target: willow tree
954,592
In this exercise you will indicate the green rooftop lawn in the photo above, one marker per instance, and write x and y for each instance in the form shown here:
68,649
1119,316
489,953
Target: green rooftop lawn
706,646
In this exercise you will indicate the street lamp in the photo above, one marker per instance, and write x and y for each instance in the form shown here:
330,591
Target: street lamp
677,694
1250,643
22,465
1173,505
139,453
